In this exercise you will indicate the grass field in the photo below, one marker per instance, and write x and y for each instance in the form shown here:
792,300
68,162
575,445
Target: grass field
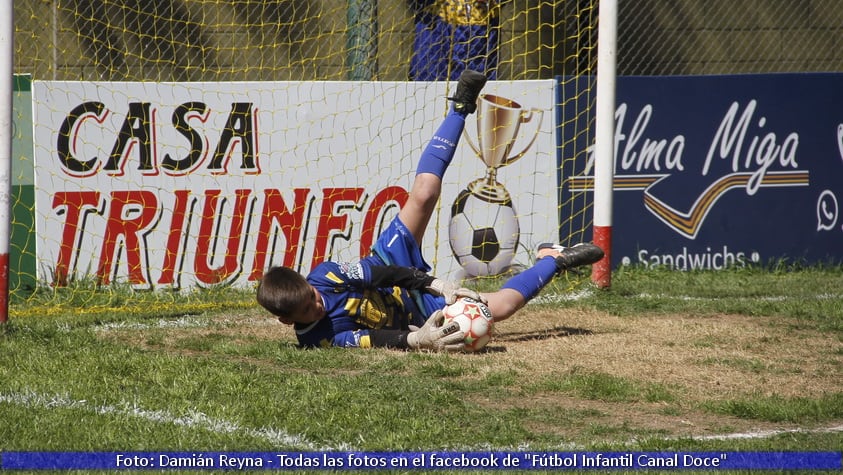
739,360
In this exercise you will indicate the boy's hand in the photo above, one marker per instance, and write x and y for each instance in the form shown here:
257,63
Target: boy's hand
434,336
452,291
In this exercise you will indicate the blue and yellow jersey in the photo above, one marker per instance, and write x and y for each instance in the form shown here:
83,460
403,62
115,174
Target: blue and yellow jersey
454,35
354,305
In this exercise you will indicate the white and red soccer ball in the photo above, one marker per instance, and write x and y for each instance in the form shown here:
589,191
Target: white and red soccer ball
474,319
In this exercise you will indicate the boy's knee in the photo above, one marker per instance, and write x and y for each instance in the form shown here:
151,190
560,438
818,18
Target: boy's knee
426,189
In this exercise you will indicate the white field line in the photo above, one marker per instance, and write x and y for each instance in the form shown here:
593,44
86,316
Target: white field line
566,297
764,434
760,434
193,420
588,292
780,298
184,322
187,321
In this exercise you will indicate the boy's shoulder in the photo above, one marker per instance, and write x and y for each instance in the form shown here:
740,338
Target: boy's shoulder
329,272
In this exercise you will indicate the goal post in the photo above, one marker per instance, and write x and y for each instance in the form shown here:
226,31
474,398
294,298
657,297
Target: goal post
6,80
604,144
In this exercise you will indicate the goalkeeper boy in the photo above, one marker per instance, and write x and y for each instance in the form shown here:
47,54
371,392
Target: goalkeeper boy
387,299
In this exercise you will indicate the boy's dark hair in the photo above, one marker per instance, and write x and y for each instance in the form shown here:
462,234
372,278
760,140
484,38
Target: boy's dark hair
282,291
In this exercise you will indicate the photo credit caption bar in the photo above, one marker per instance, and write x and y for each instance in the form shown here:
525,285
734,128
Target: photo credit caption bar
421,460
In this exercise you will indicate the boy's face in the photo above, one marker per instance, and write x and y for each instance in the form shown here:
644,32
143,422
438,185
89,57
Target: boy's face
313,310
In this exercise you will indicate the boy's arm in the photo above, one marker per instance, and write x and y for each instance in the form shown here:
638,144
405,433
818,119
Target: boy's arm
408,278
434,335
413,279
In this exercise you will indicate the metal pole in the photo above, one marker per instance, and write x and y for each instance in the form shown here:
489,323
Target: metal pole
362,39
604,143
6,76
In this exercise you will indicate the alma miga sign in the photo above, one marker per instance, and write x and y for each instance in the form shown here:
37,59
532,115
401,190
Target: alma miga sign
713,172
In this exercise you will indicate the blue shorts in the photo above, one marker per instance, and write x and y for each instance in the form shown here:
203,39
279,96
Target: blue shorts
397,246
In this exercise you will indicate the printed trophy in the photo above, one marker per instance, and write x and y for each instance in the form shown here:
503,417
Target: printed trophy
484,231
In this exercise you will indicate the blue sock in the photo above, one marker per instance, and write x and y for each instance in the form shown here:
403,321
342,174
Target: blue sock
440,150
529,282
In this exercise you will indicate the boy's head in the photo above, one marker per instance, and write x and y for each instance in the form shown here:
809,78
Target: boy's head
286,294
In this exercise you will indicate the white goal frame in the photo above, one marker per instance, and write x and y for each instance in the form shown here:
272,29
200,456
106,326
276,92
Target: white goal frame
604,141
7,34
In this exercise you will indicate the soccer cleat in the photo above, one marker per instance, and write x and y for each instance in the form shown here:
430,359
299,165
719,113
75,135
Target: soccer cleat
468,89
570,257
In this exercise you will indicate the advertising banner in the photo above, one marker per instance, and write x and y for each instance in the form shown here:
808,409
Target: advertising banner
182,184
720,171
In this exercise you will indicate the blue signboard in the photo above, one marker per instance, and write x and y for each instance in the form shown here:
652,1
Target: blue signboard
719,171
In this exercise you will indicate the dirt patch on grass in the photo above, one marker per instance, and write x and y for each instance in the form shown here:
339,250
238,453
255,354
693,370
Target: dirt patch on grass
708,358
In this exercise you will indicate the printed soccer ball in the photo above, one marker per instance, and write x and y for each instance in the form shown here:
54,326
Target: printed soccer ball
475,320
483,234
